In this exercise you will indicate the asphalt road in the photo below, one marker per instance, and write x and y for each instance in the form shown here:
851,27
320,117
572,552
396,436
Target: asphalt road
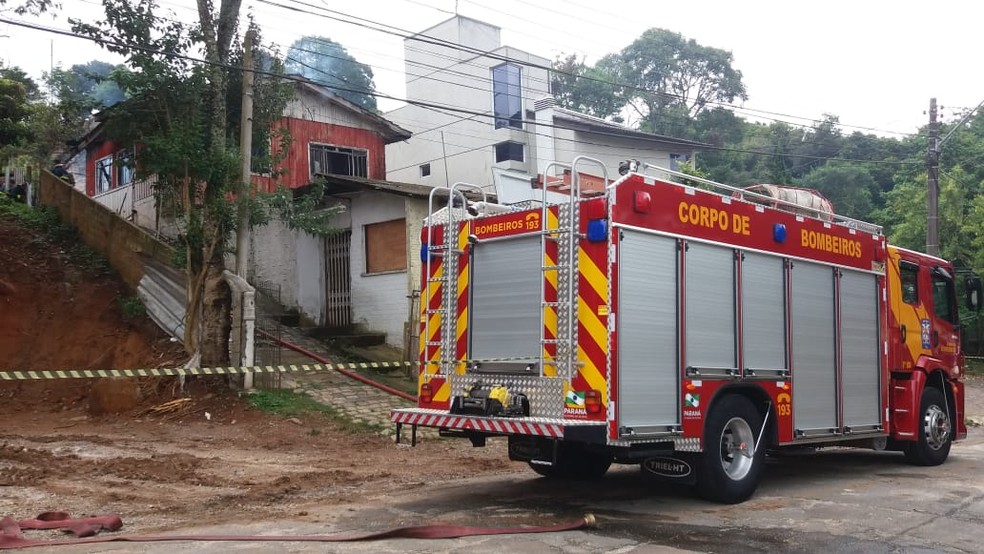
834,501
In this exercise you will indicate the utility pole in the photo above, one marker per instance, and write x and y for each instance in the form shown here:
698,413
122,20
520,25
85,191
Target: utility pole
245,148
933,183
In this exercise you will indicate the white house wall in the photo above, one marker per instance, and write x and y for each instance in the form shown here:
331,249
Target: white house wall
446,76
611,150
379,301
311,276
274,248
423,58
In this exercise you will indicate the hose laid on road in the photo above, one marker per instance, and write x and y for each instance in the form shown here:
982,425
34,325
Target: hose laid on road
86,528
322,359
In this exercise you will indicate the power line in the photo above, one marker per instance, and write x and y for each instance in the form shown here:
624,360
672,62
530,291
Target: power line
667,140
406,34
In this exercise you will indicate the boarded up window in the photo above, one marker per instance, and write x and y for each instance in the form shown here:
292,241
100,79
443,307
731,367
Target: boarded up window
386,246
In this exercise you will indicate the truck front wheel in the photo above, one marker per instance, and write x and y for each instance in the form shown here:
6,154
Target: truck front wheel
935,431
730,468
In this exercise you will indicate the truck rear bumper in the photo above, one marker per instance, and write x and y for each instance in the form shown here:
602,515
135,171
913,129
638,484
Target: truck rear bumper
530,426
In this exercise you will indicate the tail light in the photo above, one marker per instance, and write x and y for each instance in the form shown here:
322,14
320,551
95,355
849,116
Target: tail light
592,402
426,395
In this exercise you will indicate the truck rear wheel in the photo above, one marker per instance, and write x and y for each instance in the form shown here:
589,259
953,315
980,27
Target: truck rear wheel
730,467
575,463
935,431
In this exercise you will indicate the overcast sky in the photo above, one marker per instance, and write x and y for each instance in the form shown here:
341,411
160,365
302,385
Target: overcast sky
873,63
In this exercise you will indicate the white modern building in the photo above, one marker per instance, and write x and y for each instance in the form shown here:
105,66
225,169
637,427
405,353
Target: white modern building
501,127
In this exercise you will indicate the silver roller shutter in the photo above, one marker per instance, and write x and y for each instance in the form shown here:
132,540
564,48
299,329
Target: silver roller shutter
814,356
505,303
647,331
859,349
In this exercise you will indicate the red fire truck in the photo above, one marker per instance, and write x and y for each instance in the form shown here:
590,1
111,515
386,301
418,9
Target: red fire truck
684,325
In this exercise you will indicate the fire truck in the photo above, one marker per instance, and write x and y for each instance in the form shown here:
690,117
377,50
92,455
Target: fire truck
683,325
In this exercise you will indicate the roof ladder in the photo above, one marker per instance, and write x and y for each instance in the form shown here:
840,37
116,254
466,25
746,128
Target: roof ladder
567,236
449,250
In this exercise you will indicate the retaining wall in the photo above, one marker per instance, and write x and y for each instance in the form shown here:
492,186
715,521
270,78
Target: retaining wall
122,243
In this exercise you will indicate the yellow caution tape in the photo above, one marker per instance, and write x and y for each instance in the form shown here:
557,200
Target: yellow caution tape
28,375
170,372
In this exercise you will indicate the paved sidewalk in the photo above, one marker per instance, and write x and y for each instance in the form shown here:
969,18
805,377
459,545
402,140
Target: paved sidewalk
354,400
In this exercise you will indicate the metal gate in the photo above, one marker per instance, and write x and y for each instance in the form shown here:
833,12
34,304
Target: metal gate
338,280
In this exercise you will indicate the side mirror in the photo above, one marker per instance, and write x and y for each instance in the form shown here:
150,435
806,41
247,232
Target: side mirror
973,293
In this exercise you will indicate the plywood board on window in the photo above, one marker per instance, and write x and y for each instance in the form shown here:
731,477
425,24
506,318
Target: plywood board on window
386,246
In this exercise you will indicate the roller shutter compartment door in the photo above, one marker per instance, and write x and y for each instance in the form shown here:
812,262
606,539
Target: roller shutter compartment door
647,331
505,303
814,368
859,349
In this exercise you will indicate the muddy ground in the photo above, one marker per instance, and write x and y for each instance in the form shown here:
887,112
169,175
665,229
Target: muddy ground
213,458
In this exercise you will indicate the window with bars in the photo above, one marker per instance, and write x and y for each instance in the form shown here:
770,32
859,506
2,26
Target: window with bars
338,160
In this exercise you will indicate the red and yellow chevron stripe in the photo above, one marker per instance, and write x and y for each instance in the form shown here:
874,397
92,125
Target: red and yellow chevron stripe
461,344
431,320
592,315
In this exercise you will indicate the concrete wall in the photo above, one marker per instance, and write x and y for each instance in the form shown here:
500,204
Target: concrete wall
124,245
310,275
296,262
463,80
379,301
274,250
611,150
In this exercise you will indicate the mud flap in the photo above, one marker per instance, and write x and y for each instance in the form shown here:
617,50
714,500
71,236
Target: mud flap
679,468
528,449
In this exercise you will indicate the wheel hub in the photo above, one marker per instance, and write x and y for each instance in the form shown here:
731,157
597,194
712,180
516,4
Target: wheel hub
936,427
736,450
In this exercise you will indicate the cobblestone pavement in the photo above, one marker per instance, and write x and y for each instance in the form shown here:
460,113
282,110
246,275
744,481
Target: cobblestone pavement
370,406
355,401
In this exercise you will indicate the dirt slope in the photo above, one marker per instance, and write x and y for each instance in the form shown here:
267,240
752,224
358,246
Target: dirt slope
217,460
55,316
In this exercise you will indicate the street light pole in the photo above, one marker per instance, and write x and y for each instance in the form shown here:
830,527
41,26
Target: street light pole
933,183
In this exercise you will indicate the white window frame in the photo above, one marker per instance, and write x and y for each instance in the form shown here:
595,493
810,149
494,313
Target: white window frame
97,176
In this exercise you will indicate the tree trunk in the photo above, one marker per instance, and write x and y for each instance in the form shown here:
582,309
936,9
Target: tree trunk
216,298
216,320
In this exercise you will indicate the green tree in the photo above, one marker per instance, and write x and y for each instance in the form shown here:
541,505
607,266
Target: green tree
184,116
673,78
327,62
31,90
849,188
14,112
579,87
33,7
179,114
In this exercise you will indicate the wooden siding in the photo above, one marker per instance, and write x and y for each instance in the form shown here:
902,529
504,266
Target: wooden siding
310,106
304,132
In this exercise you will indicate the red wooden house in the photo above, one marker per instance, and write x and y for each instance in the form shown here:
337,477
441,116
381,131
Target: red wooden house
330,135
356,277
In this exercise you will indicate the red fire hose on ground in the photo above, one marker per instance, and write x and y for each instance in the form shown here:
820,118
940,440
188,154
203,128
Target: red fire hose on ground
322,359
86,530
